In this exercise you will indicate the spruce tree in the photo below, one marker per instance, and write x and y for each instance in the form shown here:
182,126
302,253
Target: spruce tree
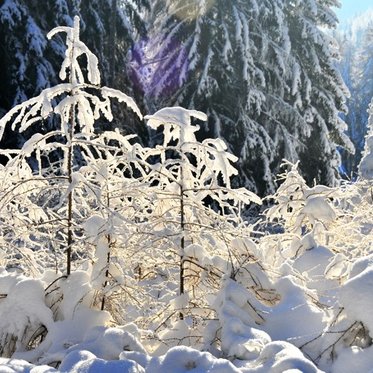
348,50
366,163
321,89
24,70
262,71
208,59
356,67
363,91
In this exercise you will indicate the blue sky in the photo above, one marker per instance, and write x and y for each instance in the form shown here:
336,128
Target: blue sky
351,8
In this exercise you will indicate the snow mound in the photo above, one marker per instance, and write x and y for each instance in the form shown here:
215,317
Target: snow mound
356,298
108,343
86,362
306,319
183,359
22,366
354,359
237,313
280,357
22,310
361,265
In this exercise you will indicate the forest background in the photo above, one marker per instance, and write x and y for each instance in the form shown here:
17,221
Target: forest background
267,75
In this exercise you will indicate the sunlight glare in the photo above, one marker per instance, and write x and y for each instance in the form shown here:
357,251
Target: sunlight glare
192,9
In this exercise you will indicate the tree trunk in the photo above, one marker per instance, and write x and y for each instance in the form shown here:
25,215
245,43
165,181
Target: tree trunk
70,196
182,247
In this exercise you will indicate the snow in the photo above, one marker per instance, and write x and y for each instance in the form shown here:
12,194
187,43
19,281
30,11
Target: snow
366,163
23,309
121,97
280,357
29,146
166,275
241,337
176,116
359,289
185,359
22,366
307,321
354,359
87,362
76,48
317,207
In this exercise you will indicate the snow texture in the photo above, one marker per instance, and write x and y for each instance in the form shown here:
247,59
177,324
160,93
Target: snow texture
358,288
86,362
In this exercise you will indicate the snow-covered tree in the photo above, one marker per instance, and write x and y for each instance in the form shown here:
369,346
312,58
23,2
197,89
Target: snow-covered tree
61,190
182,242
356,67
250,66
208,58
347,48
321,91
366,163
23,44
30,64
363,88
58,156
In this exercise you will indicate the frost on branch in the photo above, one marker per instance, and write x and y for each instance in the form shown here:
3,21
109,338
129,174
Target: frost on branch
191,218
75,48
60,158
212,161
72,96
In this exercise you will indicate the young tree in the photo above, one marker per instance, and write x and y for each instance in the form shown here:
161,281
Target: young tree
59,155
31,64
181,242
56,190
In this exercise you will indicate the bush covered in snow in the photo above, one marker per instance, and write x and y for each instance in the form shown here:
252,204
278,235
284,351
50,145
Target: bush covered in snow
121,258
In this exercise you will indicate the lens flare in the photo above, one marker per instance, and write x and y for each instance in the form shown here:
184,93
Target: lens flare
191,9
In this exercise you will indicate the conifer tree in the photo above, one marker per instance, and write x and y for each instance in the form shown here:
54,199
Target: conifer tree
322,91
23,44
356,67
366,163
348,50
251,66
362,92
